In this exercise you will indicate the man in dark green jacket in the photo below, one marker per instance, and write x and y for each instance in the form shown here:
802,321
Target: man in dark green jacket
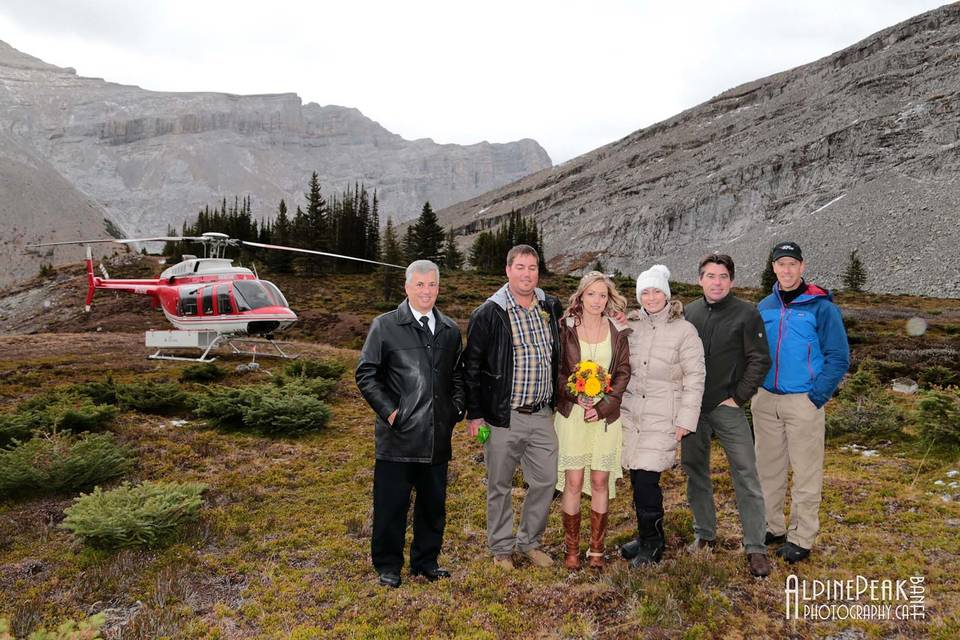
737,358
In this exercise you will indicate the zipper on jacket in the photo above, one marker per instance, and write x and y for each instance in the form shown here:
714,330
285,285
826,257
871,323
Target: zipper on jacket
809,364
776,373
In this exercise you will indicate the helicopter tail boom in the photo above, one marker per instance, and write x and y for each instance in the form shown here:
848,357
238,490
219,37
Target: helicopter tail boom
91,283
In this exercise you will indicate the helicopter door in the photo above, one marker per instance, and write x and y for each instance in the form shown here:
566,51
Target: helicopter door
223,300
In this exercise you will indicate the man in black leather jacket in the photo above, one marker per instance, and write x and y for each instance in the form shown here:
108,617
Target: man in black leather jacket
410,374
510,371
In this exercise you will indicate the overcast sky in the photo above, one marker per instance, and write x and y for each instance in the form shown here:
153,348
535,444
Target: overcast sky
571,75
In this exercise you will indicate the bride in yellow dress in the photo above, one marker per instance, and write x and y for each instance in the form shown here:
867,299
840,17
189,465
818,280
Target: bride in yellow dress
589,433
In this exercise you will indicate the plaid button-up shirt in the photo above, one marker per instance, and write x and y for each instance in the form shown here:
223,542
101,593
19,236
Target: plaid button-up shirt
532,353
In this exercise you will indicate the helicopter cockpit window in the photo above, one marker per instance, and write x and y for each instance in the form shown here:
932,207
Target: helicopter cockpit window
207,301
188,302
250,295
272,288
223,300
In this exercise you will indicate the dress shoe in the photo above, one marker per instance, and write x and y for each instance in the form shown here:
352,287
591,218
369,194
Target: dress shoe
759,564
699,544
792,553
769,539
538,558
390,579
431,574
504,562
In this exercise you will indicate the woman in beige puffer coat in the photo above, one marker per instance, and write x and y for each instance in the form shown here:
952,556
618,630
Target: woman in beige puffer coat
661,403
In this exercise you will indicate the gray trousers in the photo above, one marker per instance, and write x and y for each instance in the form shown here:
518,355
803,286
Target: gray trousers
730,426
531,442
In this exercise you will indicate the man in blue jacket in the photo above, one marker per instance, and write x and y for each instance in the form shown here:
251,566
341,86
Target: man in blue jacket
808,346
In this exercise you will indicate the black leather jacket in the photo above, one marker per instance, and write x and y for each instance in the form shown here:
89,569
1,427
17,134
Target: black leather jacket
488,359
403,367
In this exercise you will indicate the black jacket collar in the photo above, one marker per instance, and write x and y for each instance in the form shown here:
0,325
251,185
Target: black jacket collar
405,316
720,305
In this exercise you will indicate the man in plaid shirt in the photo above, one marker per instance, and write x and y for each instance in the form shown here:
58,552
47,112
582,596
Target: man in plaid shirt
510,371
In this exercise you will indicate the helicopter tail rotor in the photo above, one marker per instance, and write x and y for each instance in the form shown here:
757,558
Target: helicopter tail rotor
90,280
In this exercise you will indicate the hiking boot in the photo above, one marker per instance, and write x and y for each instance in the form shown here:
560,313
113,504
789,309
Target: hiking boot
628,550
504,562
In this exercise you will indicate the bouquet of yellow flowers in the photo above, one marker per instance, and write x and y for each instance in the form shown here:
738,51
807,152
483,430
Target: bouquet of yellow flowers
590,381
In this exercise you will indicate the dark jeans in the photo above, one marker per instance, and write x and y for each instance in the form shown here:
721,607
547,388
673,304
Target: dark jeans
392,483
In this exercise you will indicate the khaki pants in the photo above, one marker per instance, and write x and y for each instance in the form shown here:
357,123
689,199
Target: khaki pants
788,432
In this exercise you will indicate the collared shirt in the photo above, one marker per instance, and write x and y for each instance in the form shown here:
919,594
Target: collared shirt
532,352
417,314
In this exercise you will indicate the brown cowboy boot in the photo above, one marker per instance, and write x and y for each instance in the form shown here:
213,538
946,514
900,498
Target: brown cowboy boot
598,531
571,540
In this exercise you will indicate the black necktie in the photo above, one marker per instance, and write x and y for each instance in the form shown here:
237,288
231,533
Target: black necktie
425,321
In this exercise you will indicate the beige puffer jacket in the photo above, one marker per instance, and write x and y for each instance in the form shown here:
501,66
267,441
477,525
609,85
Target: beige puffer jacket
666,385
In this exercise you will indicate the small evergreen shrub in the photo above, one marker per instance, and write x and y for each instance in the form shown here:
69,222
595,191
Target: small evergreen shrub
863,409
938,417
202,372
161,398
104,392
321,388
268,409
885,370
54,411
61,462
145,515
88,629
938,376
315,369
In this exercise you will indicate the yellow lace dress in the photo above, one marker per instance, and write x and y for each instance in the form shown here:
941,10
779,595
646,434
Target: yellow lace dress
589,445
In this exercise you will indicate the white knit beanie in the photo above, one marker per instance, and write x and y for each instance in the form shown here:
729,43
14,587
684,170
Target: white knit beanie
656,277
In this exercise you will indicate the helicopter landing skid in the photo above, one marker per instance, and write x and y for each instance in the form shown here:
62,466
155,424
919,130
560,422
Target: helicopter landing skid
280,353
208,341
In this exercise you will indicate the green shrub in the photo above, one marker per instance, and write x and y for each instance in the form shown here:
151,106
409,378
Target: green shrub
938,376
88,629
938,417
161,398
61,462
104,392
321,388
144,515
315,369
268,409
202,372
859,384
885,370
863,409
54,411
20,426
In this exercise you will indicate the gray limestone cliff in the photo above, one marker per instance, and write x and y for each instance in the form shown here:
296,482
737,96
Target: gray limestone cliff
860,149
148,159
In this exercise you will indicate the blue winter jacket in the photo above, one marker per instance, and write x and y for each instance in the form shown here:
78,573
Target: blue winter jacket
808,344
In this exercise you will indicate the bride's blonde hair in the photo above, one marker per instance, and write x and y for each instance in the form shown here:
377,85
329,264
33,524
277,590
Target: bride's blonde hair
615,300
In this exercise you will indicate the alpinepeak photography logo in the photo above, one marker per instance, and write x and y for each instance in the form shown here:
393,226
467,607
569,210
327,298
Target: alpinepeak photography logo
859,598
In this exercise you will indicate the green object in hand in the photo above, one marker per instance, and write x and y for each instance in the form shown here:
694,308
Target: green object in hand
483,434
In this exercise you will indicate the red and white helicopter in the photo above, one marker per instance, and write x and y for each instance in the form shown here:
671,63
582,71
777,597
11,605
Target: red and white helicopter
209,300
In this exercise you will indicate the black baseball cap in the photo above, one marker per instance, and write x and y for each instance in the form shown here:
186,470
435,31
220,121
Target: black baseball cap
787,250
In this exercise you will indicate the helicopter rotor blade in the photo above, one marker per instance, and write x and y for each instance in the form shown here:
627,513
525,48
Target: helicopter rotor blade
317,253
121,241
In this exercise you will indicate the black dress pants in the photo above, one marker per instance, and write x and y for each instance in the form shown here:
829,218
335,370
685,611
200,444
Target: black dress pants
647,495
392,483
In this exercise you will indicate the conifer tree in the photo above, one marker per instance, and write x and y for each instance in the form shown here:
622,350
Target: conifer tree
855,276
452,256
429,236
392,254
410,249
768,278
